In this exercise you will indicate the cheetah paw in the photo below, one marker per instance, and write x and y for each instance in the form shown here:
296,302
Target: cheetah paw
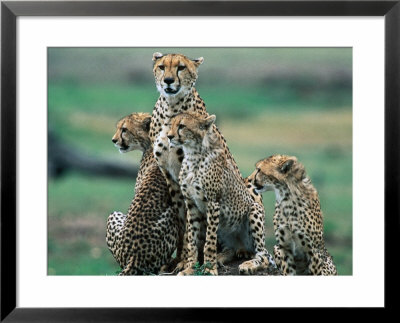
213,272
247,268
180,266
171,266
165,270
186,272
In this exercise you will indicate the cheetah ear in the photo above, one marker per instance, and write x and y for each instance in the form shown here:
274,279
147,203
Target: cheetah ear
146,124
207,122
157,56
198,61
286,166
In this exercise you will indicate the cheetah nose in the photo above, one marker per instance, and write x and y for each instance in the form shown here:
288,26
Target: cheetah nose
169,80
170,137
114,140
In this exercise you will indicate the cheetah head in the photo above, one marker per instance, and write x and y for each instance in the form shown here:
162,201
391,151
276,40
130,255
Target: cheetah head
175,74
132,132
188,130
276,170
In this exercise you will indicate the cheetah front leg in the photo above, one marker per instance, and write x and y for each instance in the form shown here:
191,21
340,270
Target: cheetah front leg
287,263
182,252
178,203
318,262
210,247
278,256
169,160
193,226
262,257
314,258
286,258
177,264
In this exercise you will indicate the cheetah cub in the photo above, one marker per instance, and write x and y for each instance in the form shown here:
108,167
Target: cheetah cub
298,224
143,240
216,195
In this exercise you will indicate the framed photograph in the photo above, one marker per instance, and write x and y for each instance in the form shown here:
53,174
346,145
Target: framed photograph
317,80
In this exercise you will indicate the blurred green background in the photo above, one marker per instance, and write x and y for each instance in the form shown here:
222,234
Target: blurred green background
295,101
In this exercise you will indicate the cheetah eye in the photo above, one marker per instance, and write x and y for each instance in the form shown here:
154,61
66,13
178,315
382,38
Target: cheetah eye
161,67
123,130
181,68
181,126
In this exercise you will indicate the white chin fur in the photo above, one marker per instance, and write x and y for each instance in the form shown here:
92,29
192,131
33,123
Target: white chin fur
173,144
162,91
130,148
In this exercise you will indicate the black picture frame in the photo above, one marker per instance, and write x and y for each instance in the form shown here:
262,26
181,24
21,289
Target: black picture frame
10,10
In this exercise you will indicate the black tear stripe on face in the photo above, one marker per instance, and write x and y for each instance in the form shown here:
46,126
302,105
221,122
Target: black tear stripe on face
254,180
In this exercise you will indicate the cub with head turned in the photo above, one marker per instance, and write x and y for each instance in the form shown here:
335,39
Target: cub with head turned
143,240
298,218
215,194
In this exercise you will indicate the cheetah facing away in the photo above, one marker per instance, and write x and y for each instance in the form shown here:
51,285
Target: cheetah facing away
298,222
216,195
175,77
143,240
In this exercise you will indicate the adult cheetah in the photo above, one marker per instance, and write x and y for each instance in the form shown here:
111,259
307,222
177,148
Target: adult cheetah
143,240
298,222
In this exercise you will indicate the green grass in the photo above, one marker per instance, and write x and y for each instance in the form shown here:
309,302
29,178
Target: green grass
78,211
100,194
200,270
80,258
